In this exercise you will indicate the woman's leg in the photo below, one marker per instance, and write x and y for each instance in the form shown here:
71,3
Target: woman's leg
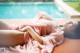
11,38
8,38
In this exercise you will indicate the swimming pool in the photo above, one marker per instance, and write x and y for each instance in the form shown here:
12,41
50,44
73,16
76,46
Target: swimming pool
29,10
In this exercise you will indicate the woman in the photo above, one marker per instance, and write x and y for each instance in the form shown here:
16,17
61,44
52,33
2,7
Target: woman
46,32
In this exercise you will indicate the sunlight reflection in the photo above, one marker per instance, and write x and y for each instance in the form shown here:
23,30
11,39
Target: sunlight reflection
24,11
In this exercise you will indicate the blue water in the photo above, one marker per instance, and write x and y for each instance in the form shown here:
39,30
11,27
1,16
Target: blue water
29,10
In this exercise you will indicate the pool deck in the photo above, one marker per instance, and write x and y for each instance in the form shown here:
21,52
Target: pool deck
18,22
72,13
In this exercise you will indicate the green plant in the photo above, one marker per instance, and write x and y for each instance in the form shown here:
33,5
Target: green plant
75,5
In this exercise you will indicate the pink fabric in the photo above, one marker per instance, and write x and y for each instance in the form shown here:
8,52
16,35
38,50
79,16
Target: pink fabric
33,46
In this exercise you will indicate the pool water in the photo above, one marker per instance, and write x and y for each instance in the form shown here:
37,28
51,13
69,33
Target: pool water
29,10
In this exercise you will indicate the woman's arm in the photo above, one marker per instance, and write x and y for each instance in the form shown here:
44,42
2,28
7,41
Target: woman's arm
32,33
